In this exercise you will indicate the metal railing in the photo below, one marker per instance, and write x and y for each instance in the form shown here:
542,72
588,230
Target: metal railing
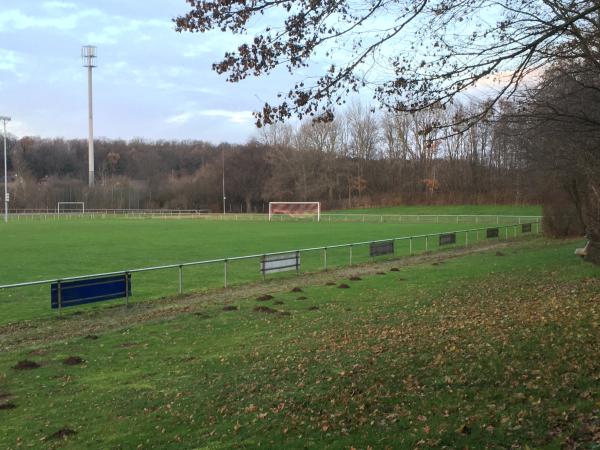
426,239
325,217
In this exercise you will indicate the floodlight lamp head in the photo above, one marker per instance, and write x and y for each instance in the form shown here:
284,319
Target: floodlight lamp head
88,55
4,119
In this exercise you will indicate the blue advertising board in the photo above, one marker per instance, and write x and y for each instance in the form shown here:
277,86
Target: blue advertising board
90,290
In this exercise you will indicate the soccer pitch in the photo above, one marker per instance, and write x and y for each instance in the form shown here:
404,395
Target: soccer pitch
50,249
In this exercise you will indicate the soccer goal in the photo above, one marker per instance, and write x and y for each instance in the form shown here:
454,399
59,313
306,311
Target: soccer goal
71,208
295,209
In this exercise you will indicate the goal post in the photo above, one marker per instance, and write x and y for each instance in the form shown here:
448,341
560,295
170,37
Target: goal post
295,209
71,207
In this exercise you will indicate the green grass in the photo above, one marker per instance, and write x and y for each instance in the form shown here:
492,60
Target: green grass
50,249
494,350
513,210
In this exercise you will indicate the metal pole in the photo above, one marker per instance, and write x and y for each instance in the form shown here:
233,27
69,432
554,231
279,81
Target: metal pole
325,258
126,290
90,130
410,246
180,279
59,297
350,255
223,160
225,273
5,119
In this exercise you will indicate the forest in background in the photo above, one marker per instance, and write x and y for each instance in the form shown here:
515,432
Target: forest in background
362,158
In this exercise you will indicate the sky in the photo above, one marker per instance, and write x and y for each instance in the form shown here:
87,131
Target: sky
151,82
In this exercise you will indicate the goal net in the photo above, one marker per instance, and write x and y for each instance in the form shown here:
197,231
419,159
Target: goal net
295,209
71,207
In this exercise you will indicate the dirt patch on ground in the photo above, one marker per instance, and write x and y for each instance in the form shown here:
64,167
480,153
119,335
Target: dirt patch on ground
380,273
284,313
313,308
63,433
355,278
73,361
26,365
91,337
265,309
435,264
394,269
264,298
330,283
7,405
203,316
296,289
500,254
230,308
302,297
343,286
38,352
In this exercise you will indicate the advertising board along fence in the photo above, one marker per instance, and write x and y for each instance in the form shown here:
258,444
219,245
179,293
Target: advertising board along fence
280,263
447,238
91,290
492,233
270,261
381,248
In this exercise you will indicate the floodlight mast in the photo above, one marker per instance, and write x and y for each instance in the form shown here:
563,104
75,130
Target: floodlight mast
5,119
88,58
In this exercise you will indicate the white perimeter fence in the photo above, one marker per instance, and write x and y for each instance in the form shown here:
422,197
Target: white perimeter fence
309,260
32,214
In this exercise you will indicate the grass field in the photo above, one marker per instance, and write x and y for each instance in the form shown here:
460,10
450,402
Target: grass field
494,349
50,249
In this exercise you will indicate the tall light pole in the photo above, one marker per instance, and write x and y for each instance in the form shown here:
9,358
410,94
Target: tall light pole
5,119
223,153
88,58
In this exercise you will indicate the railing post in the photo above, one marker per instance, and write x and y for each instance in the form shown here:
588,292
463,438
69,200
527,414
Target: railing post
410,246
325,257
180,279
426,243
126,290
350,254
225,272
59,297
466,238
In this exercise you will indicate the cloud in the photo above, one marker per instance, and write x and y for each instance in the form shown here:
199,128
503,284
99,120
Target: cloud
58,5
237,117
10,61
15,19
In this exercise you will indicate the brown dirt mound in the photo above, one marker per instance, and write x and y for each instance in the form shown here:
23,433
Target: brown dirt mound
435,264
380,273
7,405
230,308
313,308
26,365
265,309
343,286
302,297
73,361
330,283
296,289
499,254
91,337
394,269
63,433
278,302
284,313
264,298
355,278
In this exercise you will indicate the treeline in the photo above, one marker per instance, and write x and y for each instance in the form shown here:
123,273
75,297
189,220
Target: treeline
361,158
